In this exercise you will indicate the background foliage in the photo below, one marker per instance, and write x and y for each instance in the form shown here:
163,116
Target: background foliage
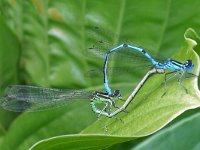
44,43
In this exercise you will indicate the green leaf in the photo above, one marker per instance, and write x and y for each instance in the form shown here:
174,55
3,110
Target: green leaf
1,138
28,128
148,113
9,61
71,142
143,113
9,56
50,47
183,135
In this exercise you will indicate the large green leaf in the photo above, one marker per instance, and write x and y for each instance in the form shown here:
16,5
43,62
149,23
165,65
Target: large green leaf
183,135
147,114
9,56
9,67
148,103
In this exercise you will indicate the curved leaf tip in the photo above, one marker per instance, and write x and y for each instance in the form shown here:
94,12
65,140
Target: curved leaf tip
193,40
188,38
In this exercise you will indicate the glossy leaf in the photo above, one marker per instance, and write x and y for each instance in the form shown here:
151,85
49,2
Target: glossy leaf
183,135
9,67
31,127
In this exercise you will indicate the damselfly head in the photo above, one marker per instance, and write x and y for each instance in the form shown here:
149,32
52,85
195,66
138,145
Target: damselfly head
189,65
117,94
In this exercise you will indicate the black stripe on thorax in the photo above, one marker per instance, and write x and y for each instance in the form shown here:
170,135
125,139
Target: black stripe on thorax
179,64
103,95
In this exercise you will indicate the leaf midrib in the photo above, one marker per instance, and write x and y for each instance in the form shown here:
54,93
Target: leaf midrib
164,26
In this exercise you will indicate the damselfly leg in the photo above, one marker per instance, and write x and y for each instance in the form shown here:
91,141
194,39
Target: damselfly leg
182,73
180,83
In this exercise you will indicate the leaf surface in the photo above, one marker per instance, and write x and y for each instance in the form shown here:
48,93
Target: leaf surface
183,135
149,111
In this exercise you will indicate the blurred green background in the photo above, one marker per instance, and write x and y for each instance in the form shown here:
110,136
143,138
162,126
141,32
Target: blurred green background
45,43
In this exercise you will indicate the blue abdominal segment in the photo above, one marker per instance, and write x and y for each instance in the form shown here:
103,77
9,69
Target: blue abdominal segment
169,64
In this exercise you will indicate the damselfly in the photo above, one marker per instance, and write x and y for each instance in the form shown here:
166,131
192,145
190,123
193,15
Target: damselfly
19,98
174,66
134,60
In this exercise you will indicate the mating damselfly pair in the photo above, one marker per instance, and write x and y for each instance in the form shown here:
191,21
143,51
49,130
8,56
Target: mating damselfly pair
31,98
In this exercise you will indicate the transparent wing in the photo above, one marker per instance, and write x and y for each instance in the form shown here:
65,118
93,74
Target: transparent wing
19,98
123,61
102,41
100,48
